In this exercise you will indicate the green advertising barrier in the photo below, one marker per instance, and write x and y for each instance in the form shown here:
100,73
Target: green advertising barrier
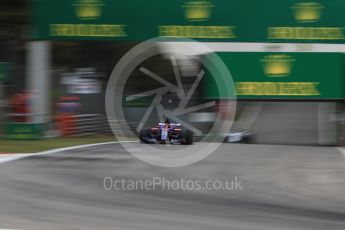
283,76
24,131
4,70
208,20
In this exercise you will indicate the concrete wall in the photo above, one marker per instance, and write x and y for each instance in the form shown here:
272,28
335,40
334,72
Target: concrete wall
301,123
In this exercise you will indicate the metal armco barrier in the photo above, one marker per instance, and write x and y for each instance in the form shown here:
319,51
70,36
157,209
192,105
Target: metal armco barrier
80,125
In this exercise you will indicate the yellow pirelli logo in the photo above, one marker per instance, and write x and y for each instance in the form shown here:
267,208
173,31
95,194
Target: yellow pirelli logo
87,30
306,33
277,88
197,31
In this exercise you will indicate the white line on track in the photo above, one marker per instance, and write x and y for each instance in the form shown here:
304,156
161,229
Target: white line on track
8,229
4,158
12,157
342,150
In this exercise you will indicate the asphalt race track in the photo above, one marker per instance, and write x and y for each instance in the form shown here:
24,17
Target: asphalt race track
282,187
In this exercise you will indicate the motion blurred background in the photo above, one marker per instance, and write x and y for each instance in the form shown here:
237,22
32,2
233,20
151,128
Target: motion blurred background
286,60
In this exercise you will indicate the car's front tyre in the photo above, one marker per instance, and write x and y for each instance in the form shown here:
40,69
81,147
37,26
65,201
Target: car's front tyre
144,135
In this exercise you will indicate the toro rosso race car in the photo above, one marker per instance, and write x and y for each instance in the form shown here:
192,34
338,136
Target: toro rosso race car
166,133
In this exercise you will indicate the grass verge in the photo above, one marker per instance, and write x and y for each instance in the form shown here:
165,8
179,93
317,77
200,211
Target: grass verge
32,146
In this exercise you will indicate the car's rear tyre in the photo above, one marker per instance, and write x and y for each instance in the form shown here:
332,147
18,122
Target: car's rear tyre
144,134
186,137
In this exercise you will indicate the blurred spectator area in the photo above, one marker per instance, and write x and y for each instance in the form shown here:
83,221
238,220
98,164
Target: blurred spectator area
14,19
14,32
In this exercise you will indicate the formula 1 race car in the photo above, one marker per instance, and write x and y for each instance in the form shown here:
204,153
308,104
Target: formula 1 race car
166,133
